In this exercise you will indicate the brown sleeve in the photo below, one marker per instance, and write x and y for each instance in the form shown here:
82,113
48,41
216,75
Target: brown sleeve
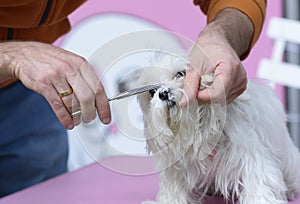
254,9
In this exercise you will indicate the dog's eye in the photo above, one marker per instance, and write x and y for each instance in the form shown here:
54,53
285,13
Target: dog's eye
179,74
152,92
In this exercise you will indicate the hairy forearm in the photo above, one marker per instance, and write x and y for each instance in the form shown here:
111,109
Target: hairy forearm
233,26
4,63
4,75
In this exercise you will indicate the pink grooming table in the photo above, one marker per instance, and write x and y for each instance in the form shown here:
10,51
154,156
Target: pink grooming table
96,184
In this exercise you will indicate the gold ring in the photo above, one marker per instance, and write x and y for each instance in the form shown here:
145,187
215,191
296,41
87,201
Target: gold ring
65,93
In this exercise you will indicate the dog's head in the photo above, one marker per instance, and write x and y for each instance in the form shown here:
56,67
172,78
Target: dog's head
163,116
165,122
168,71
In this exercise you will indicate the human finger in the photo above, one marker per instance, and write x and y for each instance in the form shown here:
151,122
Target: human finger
85,97
59,108
190,86
237,90
69,99
101,100
73,106
216,92
239,83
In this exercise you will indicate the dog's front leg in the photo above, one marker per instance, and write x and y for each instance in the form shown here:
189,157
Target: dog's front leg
262,180
172,188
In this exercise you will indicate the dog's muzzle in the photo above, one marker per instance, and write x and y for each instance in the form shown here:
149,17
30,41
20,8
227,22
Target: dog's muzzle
165,95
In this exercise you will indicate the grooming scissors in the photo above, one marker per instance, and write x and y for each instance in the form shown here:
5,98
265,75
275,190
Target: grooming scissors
135,91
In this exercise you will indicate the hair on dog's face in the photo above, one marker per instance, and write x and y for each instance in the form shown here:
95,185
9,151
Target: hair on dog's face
169,71
169,92
162,115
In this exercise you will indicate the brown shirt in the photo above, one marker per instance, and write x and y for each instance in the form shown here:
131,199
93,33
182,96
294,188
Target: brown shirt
254,9
37,20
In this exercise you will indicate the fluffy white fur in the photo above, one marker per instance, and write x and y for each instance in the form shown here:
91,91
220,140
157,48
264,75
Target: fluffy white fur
241,150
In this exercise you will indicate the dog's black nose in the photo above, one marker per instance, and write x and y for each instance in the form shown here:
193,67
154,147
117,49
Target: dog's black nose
163,95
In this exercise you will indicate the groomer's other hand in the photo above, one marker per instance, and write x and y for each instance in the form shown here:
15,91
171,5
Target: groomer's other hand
214,56
50,70
217,51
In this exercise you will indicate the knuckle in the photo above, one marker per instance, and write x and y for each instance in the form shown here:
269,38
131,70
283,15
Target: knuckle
74,66
79,61
99,90
235,63
57,104
45,78
41,87
87,97
64,66
72,77
49,75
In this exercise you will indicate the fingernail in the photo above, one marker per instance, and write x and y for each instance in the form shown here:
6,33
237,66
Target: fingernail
106,120
70,127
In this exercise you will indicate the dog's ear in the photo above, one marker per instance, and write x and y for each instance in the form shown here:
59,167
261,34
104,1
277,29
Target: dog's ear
129,81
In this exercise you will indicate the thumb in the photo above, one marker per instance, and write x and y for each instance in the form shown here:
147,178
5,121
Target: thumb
190,87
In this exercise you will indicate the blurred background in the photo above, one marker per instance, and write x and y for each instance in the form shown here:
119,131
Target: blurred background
98,22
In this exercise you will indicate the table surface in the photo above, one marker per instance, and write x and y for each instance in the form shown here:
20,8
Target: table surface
126,180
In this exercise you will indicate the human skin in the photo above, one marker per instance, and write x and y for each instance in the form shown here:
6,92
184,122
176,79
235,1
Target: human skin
48,70
218,50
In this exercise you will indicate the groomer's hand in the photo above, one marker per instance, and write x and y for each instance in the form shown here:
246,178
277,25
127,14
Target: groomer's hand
214,56
217,51
66,80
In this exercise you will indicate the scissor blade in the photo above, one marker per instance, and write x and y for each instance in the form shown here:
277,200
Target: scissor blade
134,91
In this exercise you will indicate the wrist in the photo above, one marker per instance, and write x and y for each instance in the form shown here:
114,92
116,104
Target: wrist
6,71
213,33
231,27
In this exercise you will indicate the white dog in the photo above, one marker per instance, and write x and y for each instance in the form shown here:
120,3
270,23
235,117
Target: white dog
241,150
